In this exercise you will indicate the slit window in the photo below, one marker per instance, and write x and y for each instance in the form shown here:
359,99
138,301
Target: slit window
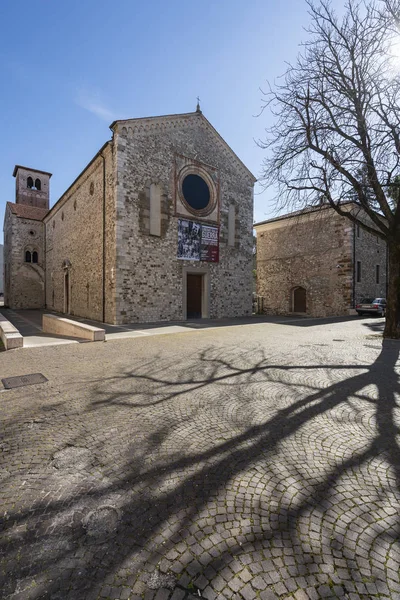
231,225
358,271
155,209
28,256
377,274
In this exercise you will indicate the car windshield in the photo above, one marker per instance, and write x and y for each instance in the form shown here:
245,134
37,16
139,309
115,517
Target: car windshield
367,301
378,301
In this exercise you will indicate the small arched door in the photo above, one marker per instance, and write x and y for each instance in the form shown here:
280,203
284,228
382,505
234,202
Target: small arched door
299,300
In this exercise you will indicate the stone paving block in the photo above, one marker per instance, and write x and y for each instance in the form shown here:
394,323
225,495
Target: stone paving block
280,589
259,583
245,575
301,595
268,595
248,593
162,594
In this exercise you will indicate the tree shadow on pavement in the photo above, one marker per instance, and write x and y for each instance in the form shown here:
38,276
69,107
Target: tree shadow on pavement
234,480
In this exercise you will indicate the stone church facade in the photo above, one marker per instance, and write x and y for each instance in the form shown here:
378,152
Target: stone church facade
316,262
158,226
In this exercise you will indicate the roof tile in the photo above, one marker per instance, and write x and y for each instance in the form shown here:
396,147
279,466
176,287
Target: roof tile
28,212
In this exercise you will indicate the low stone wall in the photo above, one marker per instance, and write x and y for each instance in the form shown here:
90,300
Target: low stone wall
9,335
70,328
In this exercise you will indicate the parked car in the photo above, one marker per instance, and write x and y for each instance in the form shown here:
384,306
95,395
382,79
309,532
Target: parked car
372,306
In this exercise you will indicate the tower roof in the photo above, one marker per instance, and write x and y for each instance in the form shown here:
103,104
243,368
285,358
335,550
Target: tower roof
29,169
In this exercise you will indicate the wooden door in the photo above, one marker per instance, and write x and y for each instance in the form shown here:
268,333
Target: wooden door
194,292
299,300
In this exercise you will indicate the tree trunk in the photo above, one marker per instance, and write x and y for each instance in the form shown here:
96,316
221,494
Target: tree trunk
392,328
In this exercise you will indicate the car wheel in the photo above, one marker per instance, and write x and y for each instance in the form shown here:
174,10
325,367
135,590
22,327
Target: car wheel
359,313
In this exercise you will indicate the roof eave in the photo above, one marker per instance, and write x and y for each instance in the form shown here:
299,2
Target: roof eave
191,114
30,169
52,209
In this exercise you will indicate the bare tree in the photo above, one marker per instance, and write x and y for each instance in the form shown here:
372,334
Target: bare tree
336,135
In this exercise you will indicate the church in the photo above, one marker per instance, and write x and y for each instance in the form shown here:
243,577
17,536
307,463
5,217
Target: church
157,227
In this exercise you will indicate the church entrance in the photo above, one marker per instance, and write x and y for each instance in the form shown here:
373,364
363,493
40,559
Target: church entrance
299,300
194,293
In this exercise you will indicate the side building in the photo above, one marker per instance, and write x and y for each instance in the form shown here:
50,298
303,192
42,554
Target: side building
1,270
316,262
157,227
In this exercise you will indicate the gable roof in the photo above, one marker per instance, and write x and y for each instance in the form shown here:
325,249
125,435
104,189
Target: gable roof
186,116
29,169
27,212
302,211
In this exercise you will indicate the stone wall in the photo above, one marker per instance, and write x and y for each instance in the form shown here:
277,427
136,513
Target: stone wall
32,197
370,251
24,282
74,244
313,251
1,269
150,278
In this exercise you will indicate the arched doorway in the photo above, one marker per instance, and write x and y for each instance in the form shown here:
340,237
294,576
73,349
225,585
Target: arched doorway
299,302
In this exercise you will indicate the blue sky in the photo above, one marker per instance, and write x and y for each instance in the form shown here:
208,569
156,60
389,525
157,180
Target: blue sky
70,68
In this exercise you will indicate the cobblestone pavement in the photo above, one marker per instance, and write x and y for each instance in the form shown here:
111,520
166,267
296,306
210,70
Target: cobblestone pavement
256,461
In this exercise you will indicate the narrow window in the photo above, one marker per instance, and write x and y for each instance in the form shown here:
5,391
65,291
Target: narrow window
358,271
358,230
38,184
29,183
378,274
28,256
34,257
155,209
231,225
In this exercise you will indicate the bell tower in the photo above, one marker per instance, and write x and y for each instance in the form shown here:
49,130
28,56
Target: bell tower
32,187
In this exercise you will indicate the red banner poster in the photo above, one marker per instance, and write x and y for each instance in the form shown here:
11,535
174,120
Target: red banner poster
209,243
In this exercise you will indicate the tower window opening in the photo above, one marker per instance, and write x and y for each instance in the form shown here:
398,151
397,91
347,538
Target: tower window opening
38,184
29,183
34,257
28,256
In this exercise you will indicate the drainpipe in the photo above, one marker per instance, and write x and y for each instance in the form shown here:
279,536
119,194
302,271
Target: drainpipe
104,238
44,259
354,265
387,269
